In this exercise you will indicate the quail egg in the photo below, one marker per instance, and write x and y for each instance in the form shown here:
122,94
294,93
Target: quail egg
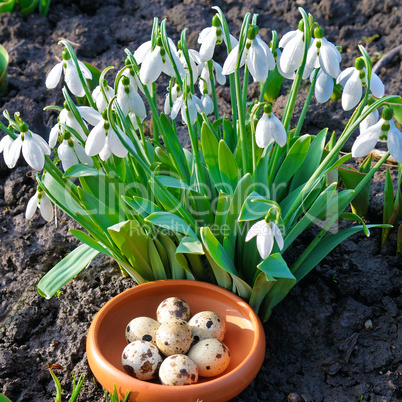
142,329
211,357
173,307
206,325
141,360
174,337
178,370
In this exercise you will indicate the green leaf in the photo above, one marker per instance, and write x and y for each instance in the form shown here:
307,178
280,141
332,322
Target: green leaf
65,270
253,208
261,173
396,105
209,146
175,149
156,261
357,218
27,6
81,170
222,210
176,269
190,245
388,208
142,206
130,238
89,241
172,182
262,285
273,86
224,262
4,60
170,221
351,178
275,268
57,385
311,162
293,161
6,6
229,135
228,167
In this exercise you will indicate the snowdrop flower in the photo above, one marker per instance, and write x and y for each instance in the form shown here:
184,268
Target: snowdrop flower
33,147
353,79
267,233
384,129
324,54
194,105
99,99
39,200
324,86
70,75
129,99
194,67
66,118
171,97
269,128
207,103
204,84
277,55
256,55
371,119
103,141
71,153
156,61
293,49
5,145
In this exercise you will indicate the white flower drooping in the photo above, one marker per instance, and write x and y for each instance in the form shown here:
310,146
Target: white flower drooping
40,200
324,54
269,128
104,141
156,61
324,86
72,152
293,49
129,99
99,99
33,147
193,106
384,129
267,233
256,55
70,75
371,119
353,79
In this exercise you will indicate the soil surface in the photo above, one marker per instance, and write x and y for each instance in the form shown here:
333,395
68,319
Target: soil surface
336,337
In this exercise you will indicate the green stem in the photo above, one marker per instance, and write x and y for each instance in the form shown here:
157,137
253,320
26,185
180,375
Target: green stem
306,104
213,89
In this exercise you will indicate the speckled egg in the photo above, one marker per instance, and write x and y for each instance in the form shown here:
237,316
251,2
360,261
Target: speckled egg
206,325
211,357
141,360
174,337
173,307
178,370
142,329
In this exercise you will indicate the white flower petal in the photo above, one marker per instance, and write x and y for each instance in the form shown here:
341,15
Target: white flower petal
14,152
229,66
286,38
289,76
292,53
208,104
151,67
366,142
268,53
256,229
5,144
278,132
278,235
46,208
345,75
96,139
376,86
208,45
82,156
54,135
137,105
73,80
329,58
218,73
115,145
204,33
265,242
257,62
67,155
263,136
177,105
33,153
395,142
324,87
141,53
352,91
90,115
369,121
41,143
54,76
31,206
85,70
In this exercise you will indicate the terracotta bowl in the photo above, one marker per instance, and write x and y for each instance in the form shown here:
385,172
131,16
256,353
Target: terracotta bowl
244,337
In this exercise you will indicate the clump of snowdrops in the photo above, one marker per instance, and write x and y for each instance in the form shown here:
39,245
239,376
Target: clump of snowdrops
229,210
